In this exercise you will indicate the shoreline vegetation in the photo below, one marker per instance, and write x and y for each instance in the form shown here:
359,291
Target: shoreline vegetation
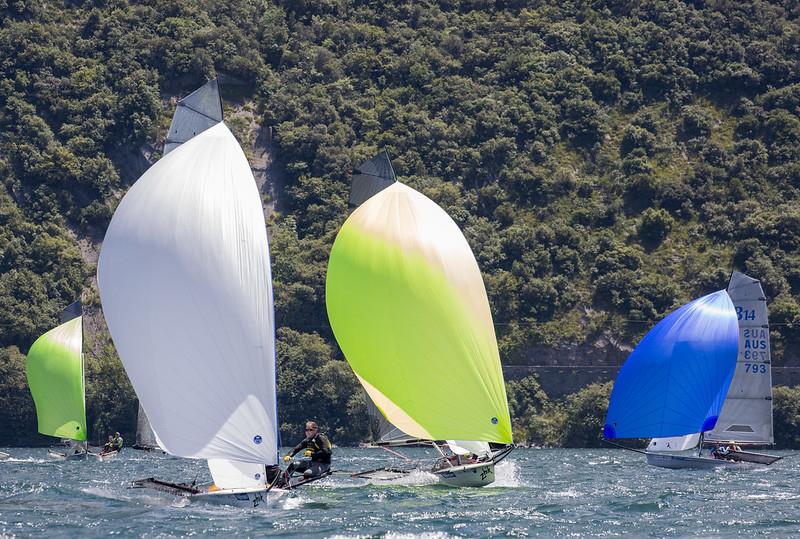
606,162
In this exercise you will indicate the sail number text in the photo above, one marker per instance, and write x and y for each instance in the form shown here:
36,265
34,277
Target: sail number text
745,314
755,369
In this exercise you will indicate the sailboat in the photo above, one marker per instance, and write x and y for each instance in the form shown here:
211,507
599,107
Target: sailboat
54,368
185,282
408,307
673,386
746,416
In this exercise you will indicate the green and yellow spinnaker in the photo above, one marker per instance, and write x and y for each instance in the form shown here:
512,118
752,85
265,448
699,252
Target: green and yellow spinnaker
408,307
55,375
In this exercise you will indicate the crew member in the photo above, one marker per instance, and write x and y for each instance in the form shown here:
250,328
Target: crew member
317,447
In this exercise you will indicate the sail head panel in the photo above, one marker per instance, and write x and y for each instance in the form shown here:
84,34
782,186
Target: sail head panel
371,177
194,114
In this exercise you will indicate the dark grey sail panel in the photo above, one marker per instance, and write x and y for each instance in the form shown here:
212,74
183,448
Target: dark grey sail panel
145,437
371,177
381,429
194,114
71,311
746,416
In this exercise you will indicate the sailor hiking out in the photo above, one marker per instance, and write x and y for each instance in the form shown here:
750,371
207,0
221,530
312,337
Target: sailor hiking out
314,446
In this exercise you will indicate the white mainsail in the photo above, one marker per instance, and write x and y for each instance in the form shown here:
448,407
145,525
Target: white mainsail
184,277
746,416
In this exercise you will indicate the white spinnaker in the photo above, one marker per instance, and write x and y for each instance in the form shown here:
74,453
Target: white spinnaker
674,443
184,278
232,474
746,415
465,447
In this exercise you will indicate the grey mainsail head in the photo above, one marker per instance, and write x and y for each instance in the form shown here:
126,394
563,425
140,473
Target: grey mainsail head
194,114
371,177
746,416
145,437
73,310
381,429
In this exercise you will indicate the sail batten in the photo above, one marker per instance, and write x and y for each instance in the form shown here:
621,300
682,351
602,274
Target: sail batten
407,305
185,282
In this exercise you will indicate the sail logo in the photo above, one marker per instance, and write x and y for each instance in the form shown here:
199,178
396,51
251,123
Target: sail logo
257,439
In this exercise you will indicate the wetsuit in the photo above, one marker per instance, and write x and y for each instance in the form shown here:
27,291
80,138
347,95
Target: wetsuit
320,456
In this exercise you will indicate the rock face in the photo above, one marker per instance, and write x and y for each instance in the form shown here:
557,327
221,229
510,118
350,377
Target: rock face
565,369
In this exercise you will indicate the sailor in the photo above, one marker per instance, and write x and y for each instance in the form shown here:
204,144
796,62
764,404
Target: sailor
317,447
117,442
109,446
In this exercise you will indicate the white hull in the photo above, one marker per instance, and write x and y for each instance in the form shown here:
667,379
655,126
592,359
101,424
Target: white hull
102,457
470,475
241,497
59,455
681,462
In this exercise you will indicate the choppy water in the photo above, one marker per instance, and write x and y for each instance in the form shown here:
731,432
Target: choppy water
538,493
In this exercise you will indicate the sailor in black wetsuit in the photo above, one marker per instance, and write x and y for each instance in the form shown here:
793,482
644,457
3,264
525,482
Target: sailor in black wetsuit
315,445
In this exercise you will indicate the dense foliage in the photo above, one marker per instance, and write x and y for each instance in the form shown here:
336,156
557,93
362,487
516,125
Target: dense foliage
607,161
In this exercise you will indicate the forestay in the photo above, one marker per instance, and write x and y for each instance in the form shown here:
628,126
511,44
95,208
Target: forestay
54,368
747,413
407,305
185,282
675,380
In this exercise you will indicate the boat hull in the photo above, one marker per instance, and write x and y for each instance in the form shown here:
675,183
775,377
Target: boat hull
470,475
250,498
734,458
102,457
59,455
686,462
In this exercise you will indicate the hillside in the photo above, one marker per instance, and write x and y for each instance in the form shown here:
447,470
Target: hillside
607,162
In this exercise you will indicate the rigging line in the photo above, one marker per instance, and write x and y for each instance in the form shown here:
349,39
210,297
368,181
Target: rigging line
624,447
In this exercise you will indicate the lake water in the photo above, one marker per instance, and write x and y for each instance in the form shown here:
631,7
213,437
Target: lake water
548,492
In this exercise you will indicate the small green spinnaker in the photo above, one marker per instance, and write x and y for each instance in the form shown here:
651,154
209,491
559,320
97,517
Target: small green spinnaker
408,307
55,375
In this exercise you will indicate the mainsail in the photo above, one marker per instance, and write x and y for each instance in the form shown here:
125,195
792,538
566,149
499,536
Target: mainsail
747,413
371,177
382,431
54,369
407,305
184,277
195,113
145,437
675,381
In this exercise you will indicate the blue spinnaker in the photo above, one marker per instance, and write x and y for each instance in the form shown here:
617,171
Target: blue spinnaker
675,381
